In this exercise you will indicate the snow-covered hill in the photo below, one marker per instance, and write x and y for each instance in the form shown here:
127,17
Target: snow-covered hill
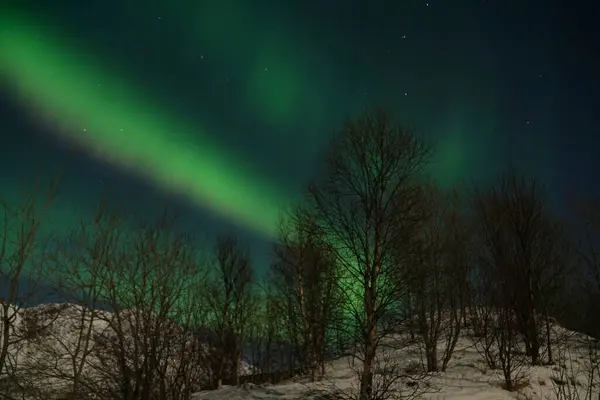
52,343
467,377
51,348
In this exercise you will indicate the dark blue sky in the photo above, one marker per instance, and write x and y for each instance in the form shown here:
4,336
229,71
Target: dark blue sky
493,83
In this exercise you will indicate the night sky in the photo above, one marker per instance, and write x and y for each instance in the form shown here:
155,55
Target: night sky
221,108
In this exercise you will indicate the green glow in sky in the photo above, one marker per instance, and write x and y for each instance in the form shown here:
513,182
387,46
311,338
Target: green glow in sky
278,65
100,112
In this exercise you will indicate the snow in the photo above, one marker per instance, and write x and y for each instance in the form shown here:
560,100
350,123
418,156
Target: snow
45,359
467,376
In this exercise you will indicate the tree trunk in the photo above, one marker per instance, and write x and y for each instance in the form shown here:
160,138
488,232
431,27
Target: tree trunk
6,322
236,366
535,340
432,359
549,341
366,379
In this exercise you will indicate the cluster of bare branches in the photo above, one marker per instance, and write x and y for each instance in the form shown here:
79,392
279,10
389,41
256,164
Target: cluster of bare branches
127,331
439,277
231,301
577,373
137,301
21,260
521,261
304,278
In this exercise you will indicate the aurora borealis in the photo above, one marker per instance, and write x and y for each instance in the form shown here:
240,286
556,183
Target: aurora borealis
222,107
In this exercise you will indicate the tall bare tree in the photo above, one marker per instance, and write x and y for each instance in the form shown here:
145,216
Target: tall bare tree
306,273
231,301
520,243
439,276
366,205
269,336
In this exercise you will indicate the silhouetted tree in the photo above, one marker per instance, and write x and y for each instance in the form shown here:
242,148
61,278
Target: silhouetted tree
586,245
232,302
439,276
518,245
367,204
21,264
148,350
305,272
76,268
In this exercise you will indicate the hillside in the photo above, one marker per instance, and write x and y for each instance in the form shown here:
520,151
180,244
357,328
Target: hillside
53,343
52,349
467,376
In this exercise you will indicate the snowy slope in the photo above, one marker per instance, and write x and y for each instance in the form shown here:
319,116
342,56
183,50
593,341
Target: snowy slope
466,378
50,337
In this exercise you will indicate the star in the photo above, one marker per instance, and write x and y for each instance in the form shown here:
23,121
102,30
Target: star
403,36
266,69
405,93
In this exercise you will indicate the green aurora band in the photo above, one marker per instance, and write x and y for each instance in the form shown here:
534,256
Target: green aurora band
98,110
118,125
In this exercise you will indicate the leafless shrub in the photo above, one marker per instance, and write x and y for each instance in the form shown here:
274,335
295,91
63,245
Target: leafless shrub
577,373
393,379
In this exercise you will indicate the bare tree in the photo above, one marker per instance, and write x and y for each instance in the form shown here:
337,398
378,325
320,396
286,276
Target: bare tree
519,250
367,204
306,276
285,318
77,270
439,275
586,245
496,334
21,265
232,301
272,340
148,350
521,243
391,380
